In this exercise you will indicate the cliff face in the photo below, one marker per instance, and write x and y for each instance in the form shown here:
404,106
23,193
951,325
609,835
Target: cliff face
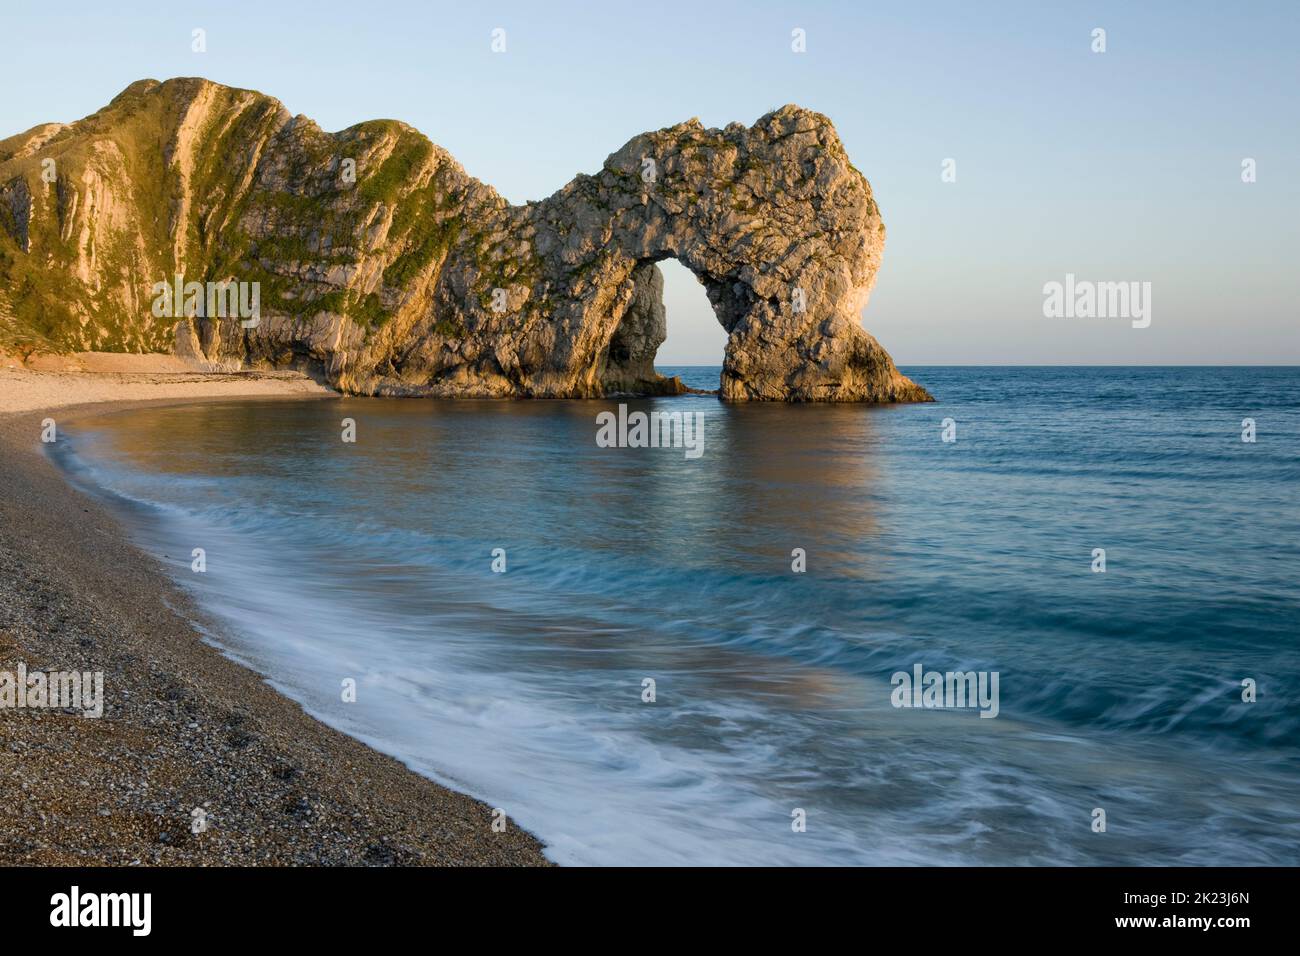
379,261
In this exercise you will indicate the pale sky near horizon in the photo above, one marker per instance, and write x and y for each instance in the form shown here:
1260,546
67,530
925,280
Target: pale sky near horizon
1117,166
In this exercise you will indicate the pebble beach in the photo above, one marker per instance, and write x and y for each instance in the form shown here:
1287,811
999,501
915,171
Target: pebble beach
196,760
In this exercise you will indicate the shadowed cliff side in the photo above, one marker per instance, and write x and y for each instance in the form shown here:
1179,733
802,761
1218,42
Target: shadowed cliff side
379,263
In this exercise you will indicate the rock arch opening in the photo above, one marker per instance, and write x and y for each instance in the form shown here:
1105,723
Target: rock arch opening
696,343
651,354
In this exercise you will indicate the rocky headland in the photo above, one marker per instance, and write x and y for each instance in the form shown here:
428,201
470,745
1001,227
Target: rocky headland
206,221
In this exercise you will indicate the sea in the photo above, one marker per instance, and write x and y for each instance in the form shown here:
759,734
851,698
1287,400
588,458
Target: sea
649,658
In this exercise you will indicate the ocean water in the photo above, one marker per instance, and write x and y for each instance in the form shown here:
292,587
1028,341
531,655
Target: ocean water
1119,690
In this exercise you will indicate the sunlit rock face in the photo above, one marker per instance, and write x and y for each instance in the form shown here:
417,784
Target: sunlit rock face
378,262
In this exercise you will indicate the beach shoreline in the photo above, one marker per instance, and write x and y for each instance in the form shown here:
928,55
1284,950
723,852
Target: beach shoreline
184,727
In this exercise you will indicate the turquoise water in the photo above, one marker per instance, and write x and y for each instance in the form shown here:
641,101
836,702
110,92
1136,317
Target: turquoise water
1119,690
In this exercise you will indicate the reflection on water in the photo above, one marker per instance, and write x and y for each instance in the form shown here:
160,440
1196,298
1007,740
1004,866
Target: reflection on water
373,561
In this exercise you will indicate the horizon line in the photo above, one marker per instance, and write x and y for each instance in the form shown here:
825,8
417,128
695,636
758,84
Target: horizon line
1041,365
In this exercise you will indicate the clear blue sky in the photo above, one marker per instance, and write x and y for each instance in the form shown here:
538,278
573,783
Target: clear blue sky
1116,166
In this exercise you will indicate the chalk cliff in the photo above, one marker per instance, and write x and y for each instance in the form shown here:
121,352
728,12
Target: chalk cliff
382,264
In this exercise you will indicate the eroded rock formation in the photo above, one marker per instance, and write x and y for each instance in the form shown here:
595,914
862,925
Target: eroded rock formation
383,264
